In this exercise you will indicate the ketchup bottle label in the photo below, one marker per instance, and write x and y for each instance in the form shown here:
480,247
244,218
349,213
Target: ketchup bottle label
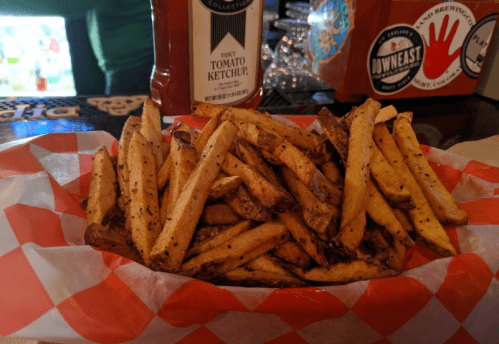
225,38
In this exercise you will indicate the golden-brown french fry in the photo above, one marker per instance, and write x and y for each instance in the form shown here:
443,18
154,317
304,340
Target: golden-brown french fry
204,134
165,201
237,251
305,237
292,252
103,187
218,239
334,132
224,186
381,212
171,246
268,194
443,204
206,233
290,155
111,240
207,110
269,263
165,169
424,220
356,270
388,181
332,172
251,278
385,114
151,130
293,134
250,156
375,239
404,219
357,173
144,204
219,214
393,256
131,125
183,159
317,214
246,206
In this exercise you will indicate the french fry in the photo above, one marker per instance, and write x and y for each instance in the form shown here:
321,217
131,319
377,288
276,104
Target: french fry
224,186
268,194
443,204
250,156
424,220
171,246
305,237
165,202
236,251
292,252
151,130
131,125
289,155
334,132
111,240
340,273
206,233
269,263
357,174
205,133
207,110
219,214
183,159
317,214
332,172
381,213
144,204
389,183
246,206
404,219
218,239
375,239
393,256
103,187
251,278
385,114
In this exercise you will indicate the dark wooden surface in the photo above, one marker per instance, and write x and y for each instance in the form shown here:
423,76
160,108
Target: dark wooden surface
439,122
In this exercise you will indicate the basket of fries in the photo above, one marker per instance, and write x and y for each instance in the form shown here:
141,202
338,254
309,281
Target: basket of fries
241,227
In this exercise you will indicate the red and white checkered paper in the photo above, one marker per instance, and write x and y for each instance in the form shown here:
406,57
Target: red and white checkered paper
55,288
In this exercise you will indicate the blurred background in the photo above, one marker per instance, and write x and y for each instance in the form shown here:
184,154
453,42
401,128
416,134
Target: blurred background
35,58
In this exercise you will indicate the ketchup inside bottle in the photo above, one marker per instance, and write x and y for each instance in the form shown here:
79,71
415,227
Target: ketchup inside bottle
171,77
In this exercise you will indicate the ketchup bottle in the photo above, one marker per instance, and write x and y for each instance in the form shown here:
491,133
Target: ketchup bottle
206,50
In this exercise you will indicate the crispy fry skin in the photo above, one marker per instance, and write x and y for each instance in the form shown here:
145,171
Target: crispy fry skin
183,159
268,194
404,219
218,239
305,237
292,252
237,251
246,206
384,114
375,239
381,212
393,256
111,240
317,214
356,270
151,130
219,214
205,133
424,220
103,187
444,206
289,155
131,125
170,248
357,173
144,205
224,186
251,278
165,201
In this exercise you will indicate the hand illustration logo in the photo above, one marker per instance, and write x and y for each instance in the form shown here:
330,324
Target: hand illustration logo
437,58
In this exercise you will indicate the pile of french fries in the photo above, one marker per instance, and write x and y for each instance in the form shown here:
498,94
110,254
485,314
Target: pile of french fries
251,201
